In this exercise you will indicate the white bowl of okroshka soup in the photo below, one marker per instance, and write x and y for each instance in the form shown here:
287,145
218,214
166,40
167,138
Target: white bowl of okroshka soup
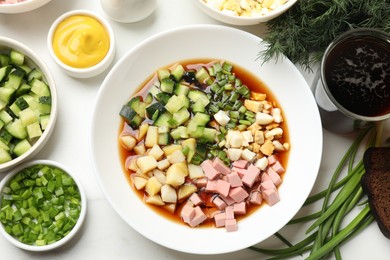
204,149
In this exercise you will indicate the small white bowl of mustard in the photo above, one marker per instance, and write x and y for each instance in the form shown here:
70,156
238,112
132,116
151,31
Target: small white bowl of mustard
82,43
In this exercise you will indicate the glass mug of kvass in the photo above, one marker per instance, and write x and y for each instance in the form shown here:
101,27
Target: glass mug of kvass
353,87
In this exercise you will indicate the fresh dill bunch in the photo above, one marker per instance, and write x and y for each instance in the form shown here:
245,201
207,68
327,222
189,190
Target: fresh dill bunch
306,29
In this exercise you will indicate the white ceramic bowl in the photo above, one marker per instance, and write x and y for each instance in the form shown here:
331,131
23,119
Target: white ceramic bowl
89,71
79,222
22,7
214,42
241,20
33,60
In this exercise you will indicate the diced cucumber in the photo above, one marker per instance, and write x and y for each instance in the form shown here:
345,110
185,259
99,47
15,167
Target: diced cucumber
5,136
16,57
208,135
17,129
4,146
203,76
15,79
194,130
21,147
201,119
178,72
4,71
4,156
39,87
44,121
154,110
35,73
181,89
131,116
167,85
184,100
163,97
154,90
23,89
180,117
163,74
5,117
3,104
174,104
164,119
18,105
28,116
198,106
25,68
148,99
34,130
44,105
1,124
4,59
6,93
196,95
164,139
179,132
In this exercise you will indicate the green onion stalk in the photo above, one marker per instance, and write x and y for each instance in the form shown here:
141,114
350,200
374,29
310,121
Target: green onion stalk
325,235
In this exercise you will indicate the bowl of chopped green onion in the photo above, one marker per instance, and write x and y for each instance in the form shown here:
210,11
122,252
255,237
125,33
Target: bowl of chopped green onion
28,103
42,206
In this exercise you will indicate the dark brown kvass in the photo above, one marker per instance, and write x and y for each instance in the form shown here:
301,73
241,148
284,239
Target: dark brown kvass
357,74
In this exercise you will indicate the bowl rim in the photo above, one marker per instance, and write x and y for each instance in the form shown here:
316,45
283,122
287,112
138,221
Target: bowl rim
79,222
8,43
104,62
22,7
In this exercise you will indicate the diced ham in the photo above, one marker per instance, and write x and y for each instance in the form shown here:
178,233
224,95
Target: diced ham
201,183
241,172
272,159
219,203
220,166
195,199
210,172
238,194
251,176
265,177
256,198
271,196
220,219
274,176
223,187
211,186
239,208
231,225
198,218
278,167
240,164
228,200
234,179
229,211
267,185
187,212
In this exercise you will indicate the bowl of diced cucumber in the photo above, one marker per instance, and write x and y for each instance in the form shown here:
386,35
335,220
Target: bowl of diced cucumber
42,205
28,103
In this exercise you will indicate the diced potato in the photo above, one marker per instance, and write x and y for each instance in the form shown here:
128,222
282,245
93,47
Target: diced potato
168,194
143,129
140,149
175,175
163,164
139,182
186,190
153,186
235,139
151,136
146,163
183,168
248,155
170,207
169,149
156,152
234,154
262,163
176,157
132,165
155,200
195,171
160,176
128,142
247,135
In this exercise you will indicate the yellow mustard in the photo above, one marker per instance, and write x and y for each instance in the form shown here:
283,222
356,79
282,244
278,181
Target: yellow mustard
81,41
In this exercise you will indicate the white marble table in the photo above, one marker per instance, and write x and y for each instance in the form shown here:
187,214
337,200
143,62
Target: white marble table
105,235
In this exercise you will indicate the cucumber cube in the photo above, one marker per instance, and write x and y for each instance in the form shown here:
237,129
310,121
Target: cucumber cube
39,87
17,129
4,156
44,121
34,130
28,116
22,147
5,117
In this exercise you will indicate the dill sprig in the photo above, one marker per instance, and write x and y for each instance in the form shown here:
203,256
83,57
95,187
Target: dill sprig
306,29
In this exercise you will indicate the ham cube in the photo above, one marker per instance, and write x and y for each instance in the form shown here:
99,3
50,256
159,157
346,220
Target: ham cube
220,219
208,169
198,218
228,200
219,203
251,176
271,196
201,183
229,211
187,213
267,185
241,172
274,176
239,208
272,159
220,166
256,198
223,187
240,164
278,167
234,179
231,225
211,186
195,199
238,194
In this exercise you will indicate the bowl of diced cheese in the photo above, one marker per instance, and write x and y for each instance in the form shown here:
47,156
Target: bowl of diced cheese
244,12
20,6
